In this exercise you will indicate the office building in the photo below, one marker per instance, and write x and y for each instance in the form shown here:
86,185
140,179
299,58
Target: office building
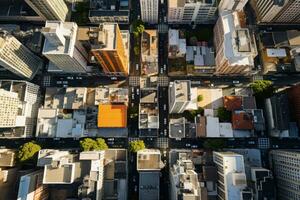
236,5
31,187
191,11
50,9
17,58
149,165
112,49
19,100
263,184
285,166
179,96
278,11
232,182
149,11
64,53
235,45
109,11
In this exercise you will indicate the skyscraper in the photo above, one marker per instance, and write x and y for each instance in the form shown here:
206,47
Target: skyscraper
232,182
191,11
16,58
278,11
112,49
62,49
19,102
285,166
49,9
149,11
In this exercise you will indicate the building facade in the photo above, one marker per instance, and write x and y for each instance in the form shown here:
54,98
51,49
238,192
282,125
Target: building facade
110,50
17,58
235,45
234,5
179,96
278,11
49,9
65,54
149,11
20,100
285,165
191,11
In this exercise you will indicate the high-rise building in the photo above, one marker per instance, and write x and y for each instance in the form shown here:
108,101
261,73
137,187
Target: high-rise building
278,11
232,182
17,58
19,100
234,5
49,9
111,50
263,184
191,11
179,96
149,11
285,166
31,187
235,45
61,48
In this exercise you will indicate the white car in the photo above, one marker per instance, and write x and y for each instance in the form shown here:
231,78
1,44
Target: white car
165,107
70,77
136,67
187,145
165,121
235,82
138,91
113,78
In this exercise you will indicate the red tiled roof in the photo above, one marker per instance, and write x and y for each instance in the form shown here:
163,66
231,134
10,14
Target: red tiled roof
242,121
232,103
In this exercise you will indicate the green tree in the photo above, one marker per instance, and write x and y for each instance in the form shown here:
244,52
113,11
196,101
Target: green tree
135,146
27,153
214,144
191,114
263,88
136,50
200,98
138,28
88,144
223,114
100,144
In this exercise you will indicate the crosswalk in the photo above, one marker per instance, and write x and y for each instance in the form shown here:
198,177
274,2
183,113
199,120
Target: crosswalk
162,143
162,28
134,81
163,81
257,77
46,81
263,143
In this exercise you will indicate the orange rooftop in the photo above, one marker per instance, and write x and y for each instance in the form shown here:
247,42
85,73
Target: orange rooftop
112,116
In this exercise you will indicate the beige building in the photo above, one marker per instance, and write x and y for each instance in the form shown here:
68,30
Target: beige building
49,9
17,58
235,45
191,11
236,5
149,11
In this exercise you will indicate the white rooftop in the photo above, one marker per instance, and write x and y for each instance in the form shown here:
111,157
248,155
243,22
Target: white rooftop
212,127
276,53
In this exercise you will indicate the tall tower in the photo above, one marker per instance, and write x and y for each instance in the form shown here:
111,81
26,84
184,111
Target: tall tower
49,9
16,58
110,51
179,95
285,165
62,49
149,11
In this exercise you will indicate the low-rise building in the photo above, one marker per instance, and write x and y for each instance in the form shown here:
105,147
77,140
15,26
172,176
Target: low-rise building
112,116
111,95
149,52
177,44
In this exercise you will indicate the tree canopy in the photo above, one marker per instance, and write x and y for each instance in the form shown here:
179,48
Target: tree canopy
135,146
27,152
262,88
138,27
214,144
88,144
223,114
200,98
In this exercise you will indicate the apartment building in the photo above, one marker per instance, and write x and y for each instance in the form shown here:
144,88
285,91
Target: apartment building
177,44
111,49
50,9
232,182
19,100
284,164
17,58
149,11
149,53
191,11
278,11
235,45
234,5
61,48
179,96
